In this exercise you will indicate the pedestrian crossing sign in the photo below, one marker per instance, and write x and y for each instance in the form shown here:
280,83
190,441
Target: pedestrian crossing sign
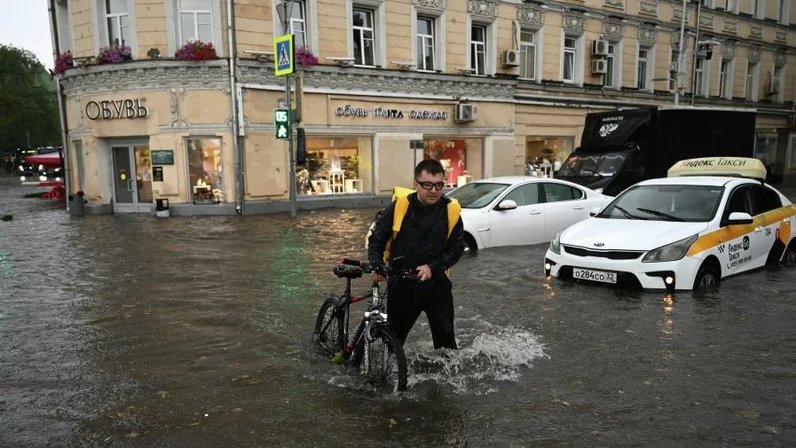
282,123
283,55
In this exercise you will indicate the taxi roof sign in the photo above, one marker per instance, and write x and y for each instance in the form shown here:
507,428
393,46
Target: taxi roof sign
719,166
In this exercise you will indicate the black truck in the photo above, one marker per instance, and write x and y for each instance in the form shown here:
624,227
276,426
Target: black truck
622,147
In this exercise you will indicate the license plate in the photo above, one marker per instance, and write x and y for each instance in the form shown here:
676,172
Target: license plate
594,275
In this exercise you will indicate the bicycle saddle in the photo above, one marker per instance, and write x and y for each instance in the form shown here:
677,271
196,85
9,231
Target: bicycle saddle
346,271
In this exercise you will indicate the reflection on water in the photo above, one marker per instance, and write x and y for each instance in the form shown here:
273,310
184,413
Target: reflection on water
137,331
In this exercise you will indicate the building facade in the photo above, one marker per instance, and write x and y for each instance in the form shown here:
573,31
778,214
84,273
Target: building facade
488,87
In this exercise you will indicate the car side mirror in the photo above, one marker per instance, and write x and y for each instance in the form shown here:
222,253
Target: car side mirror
507,204
739,218
595,211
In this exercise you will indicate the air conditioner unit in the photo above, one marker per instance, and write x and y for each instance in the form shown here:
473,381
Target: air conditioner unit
773,88
511,58
599,67
599,48
466,112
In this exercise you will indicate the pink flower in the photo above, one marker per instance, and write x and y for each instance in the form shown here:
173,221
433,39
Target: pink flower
63,63
196,50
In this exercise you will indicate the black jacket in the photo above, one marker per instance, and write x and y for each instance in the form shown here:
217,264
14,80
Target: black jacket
422,239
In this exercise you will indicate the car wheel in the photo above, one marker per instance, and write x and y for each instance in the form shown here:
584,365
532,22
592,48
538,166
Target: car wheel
707,278
789,258
470,248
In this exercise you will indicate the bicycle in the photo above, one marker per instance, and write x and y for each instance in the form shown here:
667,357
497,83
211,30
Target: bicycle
374,348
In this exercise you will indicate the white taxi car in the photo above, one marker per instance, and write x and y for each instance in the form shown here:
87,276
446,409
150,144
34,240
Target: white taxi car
521,210
710,219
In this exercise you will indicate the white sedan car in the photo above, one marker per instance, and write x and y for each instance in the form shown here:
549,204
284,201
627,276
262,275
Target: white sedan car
681,233
520,210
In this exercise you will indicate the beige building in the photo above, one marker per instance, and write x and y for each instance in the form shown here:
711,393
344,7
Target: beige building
489,87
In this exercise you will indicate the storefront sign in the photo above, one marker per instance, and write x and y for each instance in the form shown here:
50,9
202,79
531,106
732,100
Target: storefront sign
116,109
348,111
162,157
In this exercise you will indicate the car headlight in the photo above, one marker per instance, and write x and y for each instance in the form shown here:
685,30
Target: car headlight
670,252
555,244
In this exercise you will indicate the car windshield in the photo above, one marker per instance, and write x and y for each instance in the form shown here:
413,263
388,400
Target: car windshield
477,194
682,203
589,165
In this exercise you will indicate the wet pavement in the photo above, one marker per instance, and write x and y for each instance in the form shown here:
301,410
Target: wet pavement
196,331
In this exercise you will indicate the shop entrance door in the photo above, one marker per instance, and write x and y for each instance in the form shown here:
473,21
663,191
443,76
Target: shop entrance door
132,178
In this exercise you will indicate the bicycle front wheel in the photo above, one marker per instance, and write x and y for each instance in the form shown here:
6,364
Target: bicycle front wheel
385,363
328,331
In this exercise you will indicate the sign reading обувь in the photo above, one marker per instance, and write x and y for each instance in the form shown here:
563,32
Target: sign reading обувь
116,109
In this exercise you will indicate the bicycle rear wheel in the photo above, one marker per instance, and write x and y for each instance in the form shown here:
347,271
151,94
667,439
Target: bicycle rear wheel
328,331
386,366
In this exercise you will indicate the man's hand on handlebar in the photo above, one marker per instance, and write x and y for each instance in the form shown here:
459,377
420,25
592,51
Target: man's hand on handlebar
424,272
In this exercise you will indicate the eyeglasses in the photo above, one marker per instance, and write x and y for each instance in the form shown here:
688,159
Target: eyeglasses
430,185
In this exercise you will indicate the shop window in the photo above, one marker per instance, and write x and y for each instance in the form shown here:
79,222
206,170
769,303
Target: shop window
544,155
204,170
337,165
459,158
143,172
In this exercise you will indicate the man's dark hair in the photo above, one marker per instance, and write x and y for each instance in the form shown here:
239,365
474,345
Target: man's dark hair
430,166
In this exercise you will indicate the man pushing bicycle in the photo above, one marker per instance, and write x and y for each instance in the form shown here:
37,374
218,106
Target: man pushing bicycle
423,230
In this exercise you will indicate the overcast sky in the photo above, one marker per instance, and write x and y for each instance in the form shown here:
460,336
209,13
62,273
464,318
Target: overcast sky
25,24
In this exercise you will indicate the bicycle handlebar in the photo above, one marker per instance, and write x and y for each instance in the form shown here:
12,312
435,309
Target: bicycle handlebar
380,268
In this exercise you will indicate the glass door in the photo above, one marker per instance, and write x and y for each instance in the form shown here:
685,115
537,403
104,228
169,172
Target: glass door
132,178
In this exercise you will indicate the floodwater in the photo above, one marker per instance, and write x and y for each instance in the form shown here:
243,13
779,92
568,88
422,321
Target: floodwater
122,331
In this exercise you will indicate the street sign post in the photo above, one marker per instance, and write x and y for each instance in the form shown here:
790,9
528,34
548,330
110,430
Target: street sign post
282,123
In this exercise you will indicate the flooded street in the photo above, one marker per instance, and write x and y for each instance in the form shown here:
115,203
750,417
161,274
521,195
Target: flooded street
128,330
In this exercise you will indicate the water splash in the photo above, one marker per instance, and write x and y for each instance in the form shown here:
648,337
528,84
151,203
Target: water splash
496,355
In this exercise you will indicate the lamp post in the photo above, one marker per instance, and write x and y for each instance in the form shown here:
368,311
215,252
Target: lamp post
696,45
285,12
680,55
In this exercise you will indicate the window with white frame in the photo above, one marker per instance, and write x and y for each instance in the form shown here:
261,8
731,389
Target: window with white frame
528,54
783,11
478,46
725,79
298,25
674,65
117,22
568,59
364,36
64,28
426,32
195,19
750,86
699,87
643,72
611,73
778,84
732,6
757,9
